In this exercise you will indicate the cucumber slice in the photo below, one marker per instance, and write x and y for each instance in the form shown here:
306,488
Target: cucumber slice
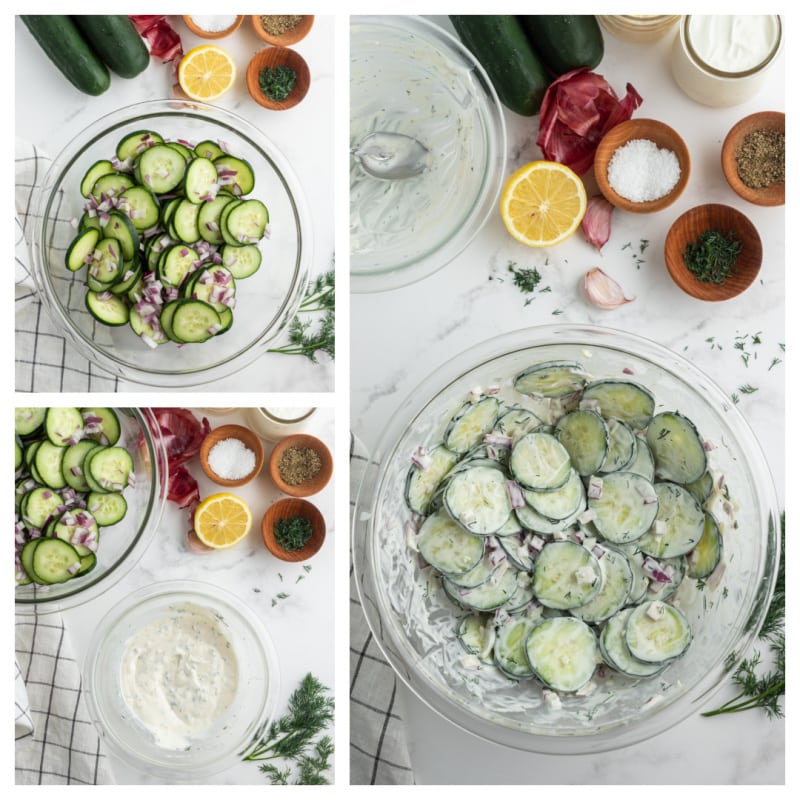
585,436
184,221
120,227
208,149
678,525
68,526
566,575
702,488
106,264
489,596
72,464
141,207
63,426
614,590
471,632
421,484
626,508
643,463
134,144
522,597
707,553
532,520
447,547
551,379
479,574
470,424
102,425
563,653
477,498
677,448
624,400
176,262
160,168
111,185
242,261
510,648
194,321
96,171
562,503
28,420
108,469
615,651
621,446
674,568
200,182
516,422
208,218
26,557
108,308
81,248
517,551
107,508
235,174
657,632
54,561
540,461
49,458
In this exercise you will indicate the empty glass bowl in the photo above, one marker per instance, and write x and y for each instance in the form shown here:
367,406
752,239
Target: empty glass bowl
265,302
414,622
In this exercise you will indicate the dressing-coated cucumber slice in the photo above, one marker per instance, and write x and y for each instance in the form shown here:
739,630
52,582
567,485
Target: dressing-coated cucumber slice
678,525
532,520
516,422
642,463
563,653
702,488
621,446
447,547
561,503
623,400
670,574
540,461
471,632
707,553
510,647
616,653
479,574
553,379
477,498
614,589
657,632
517,551
422,482
470,424
625,506
490,595
677,448
566,575
584,434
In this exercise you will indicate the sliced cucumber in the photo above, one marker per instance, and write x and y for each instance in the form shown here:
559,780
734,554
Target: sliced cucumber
624,400
63,426
108,469
200,183
510,652
585,436
134,144
447,547
421,483
643,463
707,553
72,464
107,508
102,425
235,174
96,171
552,379
566,575
54,561
614,589
160,168
702,488
120,227
48,459
242,261
107,308
27,421
626,507
621,446
677,448
562,503
540,462
616,653
195,321
470,424
678,526
477,498
563,653
657,632
489,595
471,632
82,246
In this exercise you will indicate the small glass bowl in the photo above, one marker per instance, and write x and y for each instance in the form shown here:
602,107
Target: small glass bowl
267,300
122,544
249,714
409,76
414,624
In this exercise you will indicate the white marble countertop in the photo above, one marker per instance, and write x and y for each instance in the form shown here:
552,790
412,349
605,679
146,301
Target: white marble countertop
402,336
301,624
50,111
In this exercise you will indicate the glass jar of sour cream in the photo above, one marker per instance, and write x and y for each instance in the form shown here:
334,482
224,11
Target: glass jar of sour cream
274,423
721,59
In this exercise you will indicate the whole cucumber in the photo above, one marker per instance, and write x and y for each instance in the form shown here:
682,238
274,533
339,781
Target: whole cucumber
116,42
499,44
64,45
563,42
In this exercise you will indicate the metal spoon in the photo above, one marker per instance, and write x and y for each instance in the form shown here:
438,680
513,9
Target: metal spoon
391,156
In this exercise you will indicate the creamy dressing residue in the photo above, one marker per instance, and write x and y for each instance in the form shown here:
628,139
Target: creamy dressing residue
179,674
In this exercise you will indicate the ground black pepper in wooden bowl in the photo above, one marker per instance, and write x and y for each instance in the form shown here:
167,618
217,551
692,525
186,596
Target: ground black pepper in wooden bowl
298,465
761,158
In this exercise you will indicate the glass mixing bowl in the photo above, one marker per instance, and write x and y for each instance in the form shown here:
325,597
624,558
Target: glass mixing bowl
248,715
409,76
265,302
414,623
122,544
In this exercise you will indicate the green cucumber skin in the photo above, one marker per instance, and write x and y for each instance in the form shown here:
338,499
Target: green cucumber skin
499,43
115,40
563,42
64,45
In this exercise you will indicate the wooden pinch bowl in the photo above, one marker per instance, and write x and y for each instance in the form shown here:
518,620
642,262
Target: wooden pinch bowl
775,193
244,435
276,57
204,34
293,36
653,130
315,484
688,227
284,509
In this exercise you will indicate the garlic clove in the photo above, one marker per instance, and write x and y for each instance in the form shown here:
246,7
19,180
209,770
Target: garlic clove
596,223
603,291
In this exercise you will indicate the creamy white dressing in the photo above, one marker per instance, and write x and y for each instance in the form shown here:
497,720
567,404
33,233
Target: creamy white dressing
179,674
733,43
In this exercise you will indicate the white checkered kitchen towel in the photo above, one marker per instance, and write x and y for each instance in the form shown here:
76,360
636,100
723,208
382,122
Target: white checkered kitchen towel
56,741
378,747
45,361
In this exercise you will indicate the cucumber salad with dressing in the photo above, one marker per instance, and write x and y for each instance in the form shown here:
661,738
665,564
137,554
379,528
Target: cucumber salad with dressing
562,523
168,229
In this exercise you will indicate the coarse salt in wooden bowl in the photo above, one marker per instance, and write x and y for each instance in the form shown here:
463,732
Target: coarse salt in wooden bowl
775,193
291,36
689,226
301,441
197,30
275,57
285,509
663,137
221,434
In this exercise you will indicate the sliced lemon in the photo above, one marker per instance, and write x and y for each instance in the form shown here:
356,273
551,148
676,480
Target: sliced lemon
543,203
206,72
222,520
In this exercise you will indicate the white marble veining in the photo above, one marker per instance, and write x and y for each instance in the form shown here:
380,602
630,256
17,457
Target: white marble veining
402,336
301,624
49,112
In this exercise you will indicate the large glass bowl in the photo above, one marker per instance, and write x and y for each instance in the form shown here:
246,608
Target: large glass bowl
265,301
409,76
122,544
413,621
250,712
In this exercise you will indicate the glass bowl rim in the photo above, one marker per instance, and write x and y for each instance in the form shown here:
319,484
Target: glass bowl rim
212,115
409,410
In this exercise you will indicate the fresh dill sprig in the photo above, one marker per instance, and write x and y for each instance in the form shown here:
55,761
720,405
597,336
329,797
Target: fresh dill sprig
293,737
306,338
525,279
758,688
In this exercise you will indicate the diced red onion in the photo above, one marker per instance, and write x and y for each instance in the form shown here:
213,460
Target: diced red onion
515,494
498,439
595,489
421,458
